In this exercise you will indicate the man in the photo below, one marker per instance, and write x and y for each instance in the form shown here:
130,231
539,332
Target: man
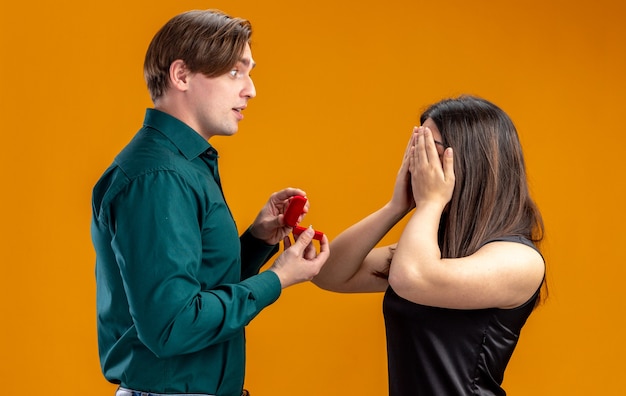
176,284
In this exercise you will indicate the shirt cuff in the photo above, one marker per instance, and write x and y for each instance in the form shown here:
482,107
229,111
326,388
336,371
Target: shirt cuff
265,287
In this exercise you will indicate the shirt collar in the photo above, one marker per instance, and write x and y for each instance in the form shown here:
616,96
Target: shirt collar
188,141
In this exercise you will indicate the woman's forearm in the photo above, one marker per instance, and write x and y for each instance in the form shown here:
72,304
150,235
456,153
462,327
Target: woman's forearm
418,252
351,266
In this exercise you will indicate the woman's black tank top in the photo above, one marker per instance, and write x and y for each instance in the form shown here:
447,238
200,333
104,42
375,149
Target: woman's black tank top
443,352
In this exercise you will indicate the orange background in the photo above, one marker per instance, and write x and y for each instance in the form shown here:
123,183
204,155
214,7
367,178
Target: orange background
339,87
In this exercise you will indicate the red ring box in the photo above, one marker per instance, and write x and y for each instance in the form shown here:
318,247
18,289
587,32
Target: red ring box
293,212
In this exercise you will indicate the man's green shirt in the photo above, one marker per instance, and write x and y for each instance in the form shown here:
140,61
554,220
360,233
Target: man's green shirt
176,284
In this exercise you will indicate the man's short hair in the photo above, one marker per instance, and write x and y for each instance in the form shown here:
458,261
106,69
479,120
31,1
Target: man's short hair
208,42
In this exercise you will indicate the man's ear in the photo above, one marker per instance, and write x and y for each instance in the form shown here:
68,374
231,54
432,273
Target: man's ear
179,75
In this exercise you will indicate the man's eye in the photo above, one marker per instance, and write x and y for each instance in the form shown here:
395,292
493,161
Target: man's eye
234,72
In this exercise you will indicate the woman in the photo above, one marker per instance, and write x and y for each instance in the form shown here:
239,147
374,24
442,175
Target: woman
465,273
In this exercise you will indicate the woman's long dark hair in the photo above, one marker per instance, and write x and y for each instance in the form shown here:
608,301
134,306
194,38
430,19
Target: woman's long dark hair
491,197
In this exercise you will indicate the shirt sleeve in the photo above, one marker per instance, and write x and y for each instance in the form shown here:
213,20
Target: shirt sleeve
157,243
254,254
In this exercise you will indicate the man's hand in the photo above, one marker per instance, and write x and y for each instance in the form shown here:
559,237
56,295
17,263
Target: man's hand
269,225
300,262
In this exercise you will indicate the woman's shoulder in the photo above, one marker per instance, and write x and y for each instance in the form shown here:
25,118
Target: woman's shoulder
516,239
